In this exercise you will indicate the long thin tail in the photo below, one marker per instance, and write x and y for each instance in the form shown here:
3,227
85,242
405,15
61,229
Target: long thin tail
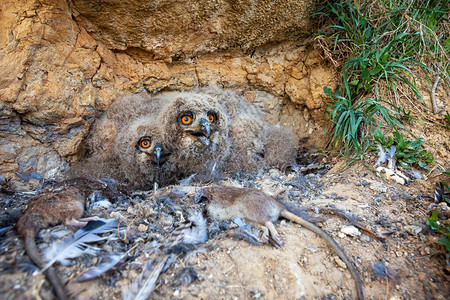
50,273
332,243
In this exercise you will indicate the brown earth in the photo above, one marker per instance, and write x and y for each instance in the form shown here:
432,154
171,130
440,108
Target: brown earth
61,70
62,66
406,263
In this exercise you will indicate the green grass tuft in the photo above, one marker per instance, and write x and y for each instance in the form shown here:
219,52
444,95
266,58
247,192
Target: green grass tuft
379,43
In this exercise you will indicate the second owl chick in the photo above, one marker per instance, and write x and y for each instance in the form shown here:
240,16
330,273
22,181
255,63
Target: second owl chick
125,142
143,154
255,144
196,128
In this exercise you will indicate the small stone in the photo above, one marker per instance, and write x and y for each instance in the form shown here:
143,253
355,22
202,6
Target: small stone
274,172
142,227
340,263
413,229
364,238
443,206
351,231
378,187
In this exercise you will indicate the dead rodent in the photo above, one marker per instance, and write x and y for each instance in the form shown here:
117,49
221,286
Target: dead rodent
262,210
60,203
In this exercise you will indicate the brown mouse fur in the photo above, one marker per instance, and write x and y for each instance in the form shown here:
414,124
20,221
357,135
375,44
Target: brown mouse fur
262,210
64,201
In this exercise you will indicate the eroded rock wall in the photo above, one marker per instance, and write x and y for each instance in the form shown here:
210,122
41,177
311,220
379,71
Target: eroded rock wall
64,63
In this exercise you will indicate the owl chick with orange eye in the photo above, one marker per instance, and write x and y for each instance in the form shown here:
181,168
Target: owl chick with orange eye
255,144
196,128
126,144
143,154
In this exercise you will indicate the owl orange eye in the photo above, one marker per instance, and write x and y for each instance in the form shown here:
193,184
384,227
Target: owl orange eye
145,143
211,118
186,120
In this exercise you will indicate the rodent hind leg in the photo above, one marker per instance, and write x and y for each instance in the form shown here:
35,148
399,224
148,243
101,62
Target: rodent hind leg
269,234
265,233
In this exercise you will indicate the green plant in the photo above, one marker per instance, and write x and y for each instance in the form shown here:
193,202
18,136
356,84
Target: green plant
408,152
378,45
447,186
351,121
434,224
447,117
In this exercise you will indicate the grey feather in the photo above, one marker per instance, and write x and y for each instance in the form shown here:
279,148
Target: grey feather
78,244
390,153
143,286
95,272
381,156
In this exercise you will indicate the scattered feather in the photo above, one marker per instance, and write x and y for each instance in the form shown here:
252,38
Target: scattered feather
29,176
5,230
188,180
381,156
111,263
143,286
390,153
196,233
245,232
381,270
190,233
76,246
438,192
96,200
415,174
29,268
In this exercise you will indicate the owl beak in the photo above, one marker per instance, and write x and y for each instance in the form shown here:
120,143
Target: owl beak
203,134
158,153
205,128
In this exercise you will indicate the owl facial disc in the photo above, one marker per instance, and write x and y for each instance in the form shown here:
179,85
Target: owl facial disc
152,149
202,135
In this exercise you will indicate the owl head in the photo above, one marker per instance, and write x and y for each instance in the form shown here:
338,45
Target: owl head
143,153
196,127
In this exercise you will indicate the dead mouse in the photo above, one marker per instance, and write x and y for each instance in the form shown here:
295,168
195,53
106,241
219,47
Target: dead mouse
262,210
62,202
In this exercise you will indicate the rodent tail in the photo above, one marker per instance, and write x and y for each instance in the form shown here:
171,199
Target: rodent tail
332,243
50,273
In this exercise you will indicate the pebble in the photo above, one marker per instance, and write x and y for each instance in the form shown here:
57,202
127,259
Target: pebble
274,172
142,227
340,263
351,231
364,238
443,206
413,229
378,187
425,251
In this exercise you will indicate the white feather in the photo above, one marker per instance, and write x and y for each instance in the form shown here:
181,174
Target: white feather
77,245
381,156
391,157
143,286
197,234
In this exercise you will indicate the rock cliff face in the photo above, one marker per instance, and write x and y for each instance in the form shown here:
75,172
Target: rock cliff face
64,62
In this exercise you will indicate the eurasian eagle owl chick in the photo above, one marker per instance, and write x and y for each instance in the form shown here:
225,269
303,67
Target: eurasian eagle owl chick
127,144
144,139
255,144
196,127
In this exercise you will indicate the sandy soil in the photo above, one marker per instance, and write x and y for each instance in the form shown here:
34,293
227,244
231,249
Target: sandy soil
403,264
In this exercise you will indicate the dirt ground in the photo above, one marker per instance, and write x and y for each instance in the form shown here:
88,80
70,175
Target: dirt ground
403,260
